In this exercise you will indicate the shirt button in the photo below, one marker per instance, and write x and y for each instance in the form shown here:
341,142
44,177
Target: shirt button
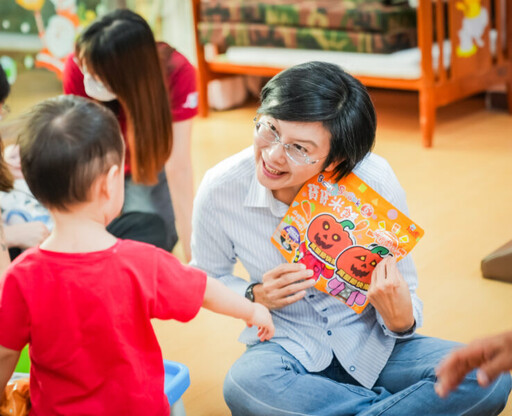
352,368
325,320
324,310
329,332
383,326
311,296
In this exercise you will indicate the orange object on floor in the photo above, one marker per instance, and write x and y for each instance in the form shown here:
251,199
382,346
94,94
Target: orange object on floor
16,398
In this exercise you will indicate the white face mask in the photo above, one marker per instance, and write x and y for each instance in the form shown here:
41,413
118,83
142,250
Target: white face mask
95,89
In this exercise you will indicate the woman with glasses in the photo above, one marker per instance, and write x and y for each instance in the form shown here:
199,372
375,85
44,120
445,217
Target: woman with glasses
152,90
324,358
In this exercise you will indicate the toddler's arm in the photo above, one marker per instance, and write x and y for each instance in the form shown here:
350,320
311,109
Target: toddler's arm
8,360
220,299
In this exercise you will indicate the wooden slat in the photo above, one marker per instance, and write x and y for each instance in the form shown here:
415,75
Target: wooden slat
440,35
424,21
498,24
465,86
508,23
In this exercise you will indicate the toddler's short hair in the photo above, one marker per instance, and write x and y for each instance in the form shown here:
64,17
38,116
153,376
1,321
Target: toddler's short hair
66,143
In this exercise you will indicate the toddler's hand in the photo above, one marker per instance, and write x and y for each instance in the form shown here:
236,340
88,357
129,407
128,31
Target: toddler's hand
263,320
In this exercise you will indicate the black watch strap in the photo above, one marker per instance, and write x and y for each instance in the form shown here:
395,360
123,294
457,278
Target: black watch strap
408,332
249,294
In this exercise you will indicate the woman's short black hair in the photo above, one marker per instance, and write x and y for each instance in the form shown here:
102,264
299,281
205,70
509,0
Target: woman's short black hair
321,91
66,143
5,88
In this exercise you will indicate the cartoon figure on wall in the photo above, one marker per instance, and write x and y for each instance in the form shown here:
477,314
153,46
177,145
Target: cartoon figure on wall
476,19
58,36
326,237
355,266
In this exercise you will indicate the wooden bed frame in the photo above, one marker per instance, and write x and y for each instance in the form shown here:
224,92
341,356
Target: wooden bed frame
470,72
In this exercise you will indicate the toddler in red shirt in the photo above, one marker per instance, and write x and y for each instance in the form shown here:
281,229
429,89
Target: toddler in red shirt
83,300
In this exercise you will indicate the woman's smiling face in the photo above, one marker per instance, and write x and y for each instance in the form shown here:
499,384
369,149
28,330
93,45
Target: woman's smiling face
275,169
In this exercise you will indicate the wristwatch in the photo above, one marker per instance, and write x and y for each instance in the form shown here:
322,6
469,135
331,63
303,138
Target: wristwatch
249,294
408,331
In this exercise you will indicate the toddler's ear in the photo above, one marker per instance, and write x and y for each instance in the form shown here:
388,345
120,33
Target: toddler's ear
112,179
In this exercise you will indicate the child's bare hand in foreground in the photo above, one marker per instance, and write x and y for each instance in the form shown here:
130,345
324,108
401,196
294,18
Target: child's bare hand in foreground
218,298
263,320
492,356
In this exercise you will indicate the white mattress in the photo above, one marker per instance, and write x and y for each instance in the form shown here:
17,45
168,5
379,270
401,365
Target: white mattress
403,64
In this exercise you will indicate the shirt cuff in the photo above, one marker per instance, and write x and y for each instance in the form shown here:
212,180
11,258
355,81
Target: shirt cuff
404,334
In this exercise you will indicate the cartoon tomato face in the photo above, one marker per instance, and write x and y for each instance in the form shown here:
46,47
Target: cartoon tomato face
328,237
356,264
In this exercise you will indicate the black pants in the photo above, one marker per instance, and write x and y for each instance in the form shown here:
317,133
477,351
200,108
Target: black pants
138,226
141,226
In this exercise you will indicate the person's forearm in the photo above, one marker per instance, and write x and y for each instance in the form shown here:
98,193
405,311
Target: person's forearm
180,179
180,184
8,360
220,299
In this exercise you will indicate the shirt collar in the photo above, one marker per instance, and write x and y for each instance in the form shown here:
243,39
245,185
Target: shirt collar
260,197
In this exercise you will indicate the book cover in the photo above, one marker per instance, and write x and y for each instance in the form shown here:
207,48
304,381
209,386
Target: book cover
341,231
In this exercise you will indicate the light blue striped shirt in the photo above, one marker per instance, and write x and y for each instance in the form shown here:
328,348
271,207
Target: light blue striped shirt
234,218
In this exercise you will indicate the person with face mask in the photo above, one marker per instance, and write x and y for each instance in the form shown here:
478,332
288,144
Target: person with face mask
151,88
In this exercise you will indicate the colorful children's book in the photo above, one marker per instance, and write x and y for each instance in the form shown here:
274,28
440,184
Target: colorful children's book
341,231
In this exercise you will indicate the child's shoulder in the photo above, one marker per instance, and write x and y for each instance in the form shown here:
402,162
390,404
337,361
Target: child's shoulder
137,247
137,252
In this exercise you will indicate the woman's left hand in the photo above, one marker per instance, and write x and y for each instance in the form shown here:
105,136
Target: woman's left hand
389,294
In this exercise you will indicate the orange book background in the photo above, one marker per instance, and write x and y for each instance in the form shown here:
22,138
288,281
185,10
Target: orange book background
342,231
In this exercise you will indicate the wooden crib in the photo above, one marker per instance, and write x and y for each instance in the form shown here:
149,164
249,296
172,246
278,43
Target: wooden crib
473,66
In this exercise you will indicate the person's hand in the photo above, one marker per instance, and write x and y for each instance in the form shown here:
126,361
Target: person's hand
263,320
13,160
390,295
492,356
283,285
25,235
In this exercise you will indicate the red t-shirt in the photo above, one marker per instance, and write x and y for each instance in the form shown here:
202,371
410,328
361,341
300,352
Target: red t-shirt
87,319
181,82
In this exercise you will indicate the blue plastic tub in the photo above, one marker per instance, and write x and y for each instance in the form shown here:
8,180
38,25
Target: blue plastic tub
177,381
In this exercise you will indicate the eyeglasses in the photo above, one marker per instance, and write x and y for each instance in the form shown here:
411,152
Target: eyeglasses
4,111
295,152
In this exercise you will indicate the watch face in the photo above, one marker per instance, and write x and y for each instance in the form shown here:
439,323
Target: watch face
249,294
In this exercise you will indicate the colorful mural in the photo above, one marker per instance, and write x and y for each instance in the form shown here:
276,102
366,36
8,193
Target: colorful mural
56,24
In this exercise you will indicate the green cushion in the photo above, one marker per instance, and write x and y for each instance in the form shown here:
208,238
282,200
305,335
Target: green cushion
350,15
244,34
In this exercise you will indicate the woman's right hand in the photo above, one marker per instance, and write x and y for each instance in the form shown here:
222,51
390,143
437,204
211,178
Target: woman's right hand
283,285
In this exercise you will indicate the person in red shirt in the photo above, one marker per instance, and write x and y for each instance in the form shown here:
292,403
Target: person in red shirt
117,61
83,300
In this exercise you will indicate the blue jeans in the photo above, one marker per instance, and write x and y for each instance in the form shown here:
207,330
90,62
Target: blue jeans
267,381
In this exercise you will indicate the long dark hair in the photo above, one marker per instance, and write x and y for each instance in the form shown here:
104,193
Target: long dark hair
120,49
6,178
321,91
